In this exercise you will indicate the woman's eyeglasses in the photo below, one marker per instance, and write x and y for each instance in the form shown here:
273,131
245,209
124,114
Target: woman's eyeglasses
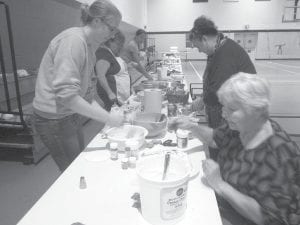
110,27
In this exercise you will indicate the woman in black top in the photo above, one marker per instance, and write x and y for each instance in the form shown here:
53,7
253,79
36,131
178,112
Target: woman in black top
224,58
113,78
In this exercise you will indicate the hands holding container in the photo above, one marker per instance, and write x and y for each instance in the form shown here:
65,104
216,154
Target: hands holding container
116,118
204,133
182,122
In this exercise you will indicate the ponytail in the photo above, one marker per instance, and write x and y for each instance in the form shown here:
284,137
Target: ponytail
85,16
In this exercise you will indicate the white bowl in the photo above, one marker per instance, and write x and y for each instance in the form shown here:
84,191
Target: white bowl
127,132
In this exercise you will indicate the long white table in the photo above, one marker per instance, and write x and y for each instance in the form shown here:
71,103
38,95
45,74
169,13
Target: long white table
107,198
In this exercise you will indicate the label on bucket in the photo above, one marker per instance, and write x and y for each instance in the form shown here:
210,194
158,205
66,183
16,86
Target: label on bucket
173,202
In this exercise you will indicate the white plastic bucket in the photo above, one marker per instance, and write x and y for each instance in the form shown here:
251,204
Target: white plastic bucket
163,201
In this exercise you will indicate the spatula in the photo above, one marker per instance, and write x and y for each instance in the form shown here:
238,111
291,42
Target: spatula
166,165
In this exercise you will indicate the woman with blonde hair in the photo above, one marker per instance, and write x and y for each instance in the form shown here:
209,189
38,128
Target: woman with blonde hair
257,173
65,85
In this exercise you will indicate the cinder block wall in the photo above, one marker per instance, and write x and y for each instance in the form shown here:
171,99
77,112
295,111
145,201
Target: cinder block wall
34,24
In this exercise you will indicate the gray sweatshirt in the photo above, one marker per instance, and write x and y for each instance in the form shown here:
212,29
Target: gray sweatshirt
66,70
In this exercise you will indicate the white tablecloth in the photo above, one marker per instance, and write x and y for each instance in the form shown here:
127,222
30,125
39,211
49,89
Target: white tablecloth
107,198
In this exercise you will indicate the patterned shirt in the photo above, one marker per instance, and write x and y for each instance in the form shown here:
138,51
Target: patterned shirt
269,173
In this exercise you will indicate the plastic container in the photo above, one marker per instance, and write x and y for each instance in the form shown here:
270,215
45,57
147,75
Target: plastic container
134,147
124,163
182,138
132,162
127,152
163,201
113,148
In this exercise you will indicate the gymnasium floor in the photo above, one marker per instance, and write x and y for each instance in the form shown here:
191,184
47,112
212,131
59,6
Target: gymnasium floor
21,186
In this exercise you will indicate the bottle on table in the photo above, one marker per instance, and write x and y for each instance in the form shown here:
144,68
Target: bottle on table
124,163
113,148
182,138
127,152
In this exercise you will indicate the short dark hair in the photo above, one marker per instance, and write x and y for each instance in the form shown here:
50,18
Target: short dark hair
139,32
203,26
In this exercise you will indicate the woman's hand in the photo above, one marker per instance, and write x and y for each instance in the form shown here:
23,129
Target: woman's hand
181,122
112,97
212,174
116,118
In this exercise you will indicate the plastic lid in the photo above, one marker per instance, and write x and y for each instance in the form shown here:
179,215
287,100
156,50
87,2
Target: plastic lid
132,144
182,133
113,145
132,159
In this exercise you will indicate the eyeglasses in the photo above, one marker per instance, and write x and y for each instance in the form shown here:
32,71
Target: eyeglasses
110,27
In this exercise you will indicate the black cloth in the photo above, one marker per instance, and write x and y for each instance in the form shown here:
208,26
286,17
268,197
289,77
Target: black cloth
228,59
114,68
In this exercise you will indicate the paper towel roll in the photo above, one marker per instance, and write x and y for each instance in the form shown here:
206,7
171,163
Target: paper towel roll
152,100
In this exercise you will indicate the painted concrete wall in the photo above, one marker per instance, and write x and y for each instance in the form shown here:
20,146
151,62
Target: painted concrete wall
34,24
134,12
266,47
178,15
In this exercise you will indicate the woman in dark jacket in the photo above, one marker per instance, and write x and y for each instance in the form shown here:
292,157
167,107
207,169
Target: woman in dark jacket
224,58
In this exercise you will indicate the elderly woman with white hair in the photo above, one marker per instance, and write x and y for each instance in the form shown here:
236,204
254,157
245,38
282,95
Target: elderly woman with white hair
257,173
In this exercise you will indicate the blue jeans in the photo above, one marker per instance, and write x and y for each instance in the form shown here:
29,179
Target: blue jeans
63,137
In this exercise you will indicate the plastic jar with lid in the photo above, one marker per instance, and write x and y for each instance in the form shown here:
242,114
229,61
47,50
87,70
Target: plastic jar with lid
113,148
124,163
182,138
134,147
132,162
127,153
